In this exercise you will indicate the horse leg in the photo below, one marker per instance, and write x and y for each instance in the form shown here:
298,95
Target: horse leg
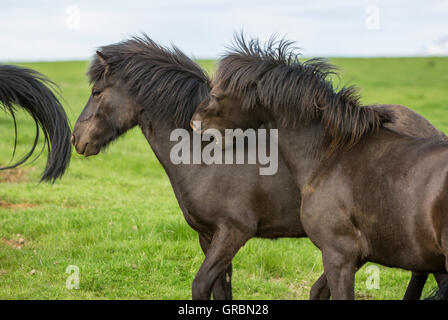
340,268
222,290
341,255
415,286
440,277
320,289
224,245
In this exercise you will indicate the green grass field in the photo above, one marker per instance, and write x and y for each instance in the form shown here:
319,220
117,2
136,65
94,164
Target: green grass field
115,216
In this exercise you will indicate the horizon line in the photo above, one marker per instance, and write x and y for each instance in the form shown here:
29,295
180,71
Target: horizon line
354,56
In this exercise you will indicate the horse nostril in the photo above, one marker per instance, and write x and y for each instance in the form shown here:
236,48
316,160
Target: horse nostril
73,140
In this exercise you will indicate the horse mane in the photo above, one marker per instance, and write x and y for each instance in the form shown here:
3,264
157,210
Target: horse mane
167,83
271,75
28,89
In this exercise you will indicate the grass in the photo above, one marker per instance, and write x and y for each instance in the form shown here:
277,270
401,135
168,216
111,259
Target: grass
115,216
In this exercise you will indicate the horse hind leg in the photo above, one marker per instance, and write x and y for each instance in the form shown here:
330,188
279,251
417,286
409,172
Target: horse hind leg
440,278
442,292
415,286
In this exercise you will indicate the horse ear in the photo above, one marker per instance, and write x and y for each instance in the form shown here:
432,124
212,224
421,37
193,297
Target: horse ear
101,57
103,60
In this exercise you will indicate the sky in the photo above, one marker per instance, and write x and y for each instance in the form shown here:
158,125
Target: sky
39,30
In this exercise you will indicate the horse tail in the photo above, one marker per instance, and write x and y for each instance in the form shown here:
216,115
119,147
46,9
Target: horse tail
441,293
31,91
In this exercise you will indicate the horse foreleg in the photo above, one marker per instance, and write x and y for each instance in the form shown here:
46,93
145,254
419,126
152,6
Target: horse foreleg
341,279
222,289
340,266
224,245
320,289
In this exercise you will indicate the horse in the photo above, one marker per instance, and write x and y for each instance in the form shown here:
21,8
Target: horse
369,193
139,83
28,89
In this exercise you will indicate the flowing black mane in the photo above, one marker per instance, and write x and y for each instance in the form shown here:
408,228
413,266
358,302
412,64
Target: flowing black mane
271,75
167,83
31,91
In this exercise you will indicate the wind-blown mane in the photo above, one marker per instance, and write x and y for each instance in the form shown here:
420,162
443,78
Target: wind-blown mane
271,75
167,83
30,90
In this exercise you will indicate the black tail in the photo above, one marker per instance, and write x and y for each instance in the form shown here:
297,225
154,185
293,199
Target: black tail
30,90
441,293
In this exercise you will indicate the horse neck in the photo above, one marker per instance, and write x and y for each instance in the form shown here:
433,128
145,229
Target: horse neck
157,133
303,150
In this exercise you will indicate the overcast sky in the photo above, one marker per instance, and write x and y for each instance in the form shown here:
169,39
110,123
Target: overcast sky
33,30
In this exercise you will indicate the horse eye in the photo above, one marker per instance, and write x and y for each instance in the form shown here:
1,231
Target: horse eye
217,98
95,93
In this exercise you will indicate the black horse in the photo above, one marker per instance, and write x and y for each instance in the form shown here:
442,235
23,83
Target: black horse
31,91
368,193
137,82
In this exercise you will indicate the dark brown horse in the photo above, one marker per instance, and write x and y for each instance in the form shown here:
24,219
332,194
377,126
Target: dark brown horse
369,193
31,91
137,82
